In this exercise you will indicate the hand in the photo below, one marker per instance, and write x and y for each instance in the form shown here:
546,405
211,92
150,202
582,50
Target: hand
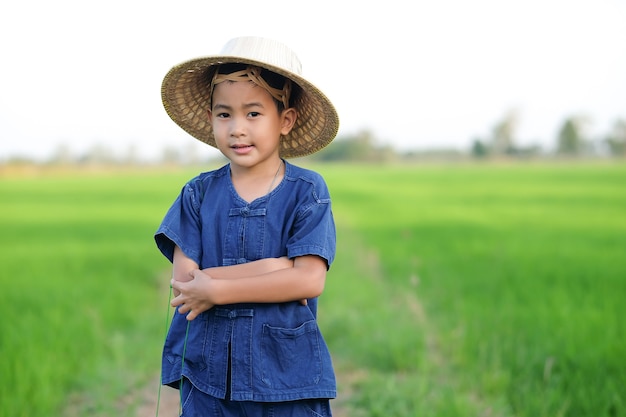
194,295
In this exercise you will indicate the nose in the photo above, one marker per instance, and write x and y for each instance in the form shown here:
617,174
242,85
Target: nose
237,127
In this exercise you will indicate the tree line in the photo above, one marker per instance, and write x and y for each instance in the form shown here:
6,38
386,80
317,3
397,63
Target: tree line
572,140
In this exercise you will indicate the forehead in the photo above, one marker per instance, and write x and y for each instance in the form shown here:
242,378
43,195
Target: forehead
240,90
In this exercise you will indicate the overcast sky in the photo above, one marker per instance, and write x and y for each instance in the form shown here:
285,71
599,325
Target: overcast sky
417,74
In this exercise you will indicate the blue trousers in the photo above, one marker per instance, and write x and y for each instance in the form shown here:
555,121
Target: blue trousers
198,404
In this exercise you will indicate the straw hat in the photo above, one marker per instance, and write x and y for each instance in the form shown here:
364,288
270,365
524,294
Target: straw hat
185,94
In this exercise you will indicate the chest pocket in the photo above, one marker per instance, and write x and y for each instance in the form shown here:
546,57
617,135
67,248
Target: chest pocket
245,235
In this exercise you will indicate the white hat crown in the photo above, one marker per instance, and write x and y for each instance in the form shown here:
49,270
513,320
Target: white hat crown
264,50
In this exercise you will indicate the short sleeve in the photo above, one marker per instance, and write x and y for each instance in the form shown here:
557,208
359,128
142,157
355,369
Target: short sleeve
314,230
181,225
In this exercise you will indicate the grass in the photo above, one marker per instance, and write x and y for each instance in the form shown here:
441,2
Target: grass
519,272
81,286
458,290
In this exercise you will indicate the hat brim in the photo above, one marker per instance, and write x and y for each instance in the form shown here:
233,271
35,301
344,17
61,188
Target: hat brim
185,94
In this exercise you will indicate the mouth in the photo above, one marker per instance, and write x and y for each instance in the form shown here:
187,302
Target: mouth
241,148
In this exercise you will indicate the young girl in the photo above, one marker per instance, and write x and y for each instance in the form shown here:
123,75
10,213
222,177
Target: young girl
250,242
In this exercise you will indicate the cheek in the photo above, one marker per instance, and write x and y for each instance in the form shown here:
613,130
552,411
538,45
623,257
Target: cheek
219,133
218,128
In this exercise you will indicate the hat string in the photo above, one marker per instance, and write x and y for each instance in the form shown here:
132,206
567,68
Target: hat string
253,74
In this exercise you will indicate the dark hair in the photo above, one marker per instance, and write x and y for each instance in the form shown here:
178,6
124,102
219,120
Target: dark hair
273,79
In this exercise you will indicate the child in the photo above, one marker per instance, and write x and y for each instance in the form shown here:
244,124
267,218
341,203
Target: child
250,242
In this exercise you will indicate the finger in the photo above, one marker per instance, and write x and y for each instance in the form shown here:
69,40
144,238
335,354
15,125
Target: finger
176,301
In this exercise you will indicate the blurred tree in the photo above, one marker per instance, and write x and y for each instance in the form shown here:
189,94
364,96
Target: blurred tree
616,139
132,155
62,155
503,134
359,147
171,156
571,138
98,153
479,148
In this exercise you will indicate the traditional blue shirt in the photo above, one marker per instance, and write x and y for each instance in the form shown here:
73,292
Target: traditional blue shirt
277,350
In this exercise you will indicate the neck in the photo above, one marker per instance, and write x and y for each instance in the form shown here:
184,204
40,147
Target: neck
264,168
252,183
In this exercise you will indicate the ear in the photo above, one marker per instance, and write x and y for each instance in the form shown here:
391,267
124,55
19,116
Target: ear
209,115
289,117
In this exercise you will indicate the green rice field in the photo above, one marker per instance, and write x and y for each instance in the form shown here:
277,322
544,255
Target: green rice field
458,289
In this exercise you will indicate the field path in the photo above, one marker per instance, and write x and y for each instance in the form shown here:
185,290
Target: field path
147,399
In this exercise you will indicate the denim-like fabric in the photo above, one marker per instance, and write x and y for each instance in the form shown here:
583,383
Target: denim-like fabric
198,404
278,352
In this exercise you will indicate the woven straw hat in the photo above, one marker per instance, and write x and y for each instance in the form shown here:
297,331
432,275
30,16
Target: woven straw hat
185,94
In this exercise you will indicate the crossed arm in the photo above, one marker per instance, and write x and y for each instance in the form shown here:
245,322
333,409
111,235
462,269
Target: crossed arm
271,280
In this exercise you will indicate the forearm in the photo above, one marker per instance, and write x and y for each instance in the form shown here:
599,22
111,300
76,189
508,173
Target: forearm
250,269
183,267
274,287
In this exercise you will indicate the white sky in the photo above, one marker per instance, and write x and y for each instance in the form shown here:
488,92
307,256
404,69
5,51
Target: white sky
417,74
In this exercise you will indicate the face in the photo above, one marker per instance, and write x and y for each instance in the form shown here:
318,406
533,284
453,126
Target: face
247,124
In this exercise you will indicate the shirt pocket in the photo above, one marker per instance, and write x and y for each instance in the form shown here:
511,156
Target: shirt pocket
291,357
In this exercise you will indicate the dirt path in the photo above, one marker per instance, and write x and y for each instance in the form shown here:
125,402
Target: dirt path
148,398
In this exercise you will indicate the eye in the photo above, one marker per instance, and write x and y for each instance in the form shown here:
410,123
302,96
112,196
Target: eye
254,114
223,115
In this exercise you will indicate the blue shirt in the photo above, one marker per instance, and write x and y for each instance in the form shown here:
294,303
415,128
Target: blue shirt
277,350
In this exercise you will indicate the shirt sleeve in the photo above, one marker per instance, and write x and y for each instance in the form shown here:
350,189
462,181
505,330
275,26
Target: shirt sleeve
314,230
181,225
